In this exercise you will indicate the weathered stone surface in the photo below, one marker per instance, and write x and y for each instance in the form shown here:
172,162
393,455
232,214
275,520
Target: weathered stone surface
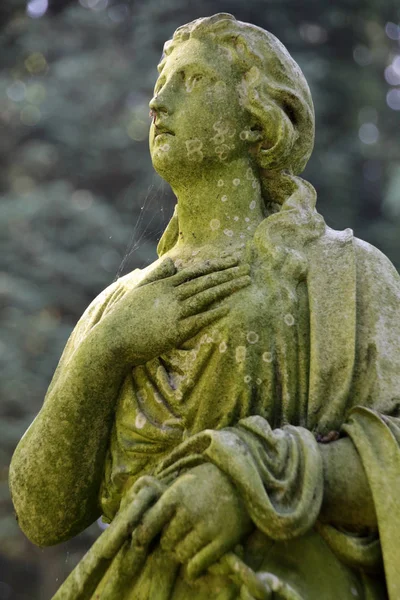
232,410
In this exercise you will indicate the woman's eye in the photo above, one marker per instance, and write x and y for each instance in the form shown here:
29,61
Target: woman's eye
192,80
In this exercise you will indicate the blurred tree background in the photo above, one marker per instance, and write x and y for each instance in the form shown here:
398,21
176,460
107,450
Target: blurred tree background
81,203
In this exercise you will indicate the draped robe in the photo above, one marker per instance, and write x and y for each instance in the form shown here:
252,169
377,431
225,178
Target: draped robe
250,394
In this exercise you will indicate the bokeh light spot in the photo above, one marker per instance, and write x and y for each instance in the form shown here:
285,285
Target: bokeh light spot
393,99
368,133
313,33
396,64
30,115
96,5
362,55
391,76
138,130
36,93
16,91
37,8
118,13
82,199
392,31
36,63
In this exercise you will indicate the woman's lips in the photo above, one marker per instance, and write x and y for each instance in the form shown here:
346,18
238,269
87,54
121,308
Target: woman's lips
161,130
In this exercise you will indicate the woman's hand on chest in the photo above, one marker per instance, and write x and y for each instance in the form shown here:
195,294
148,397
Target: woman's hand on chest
168,308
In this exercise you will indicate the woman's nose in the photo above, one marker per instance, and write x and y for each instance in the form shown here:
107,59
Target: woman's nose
158,105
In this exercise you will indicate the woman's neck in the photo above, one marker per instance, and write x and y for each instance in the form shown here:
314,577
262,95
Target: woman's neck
221,209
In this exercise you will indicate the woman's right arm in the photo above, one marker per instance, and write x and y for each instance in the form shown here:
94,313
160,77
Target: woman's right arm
57,468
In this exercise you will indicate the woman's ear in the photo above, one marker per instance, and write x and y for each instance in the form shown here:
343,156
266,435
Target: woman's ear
277,145
254,135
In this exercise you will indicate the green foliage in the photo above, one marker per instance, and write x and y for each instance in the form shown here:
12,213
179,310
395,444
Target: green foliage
75,172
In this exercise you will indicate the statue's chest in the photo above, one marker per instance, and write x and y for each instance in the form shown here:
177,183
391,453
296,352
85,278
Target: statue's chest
222,374
227,361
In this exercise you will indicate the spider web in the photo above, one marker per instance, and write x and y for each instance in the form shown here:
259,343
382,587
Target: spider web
148,215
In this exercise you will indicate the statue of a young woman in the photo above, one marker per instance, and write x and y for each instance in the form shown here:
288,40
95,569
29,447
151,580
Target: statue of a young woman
233,408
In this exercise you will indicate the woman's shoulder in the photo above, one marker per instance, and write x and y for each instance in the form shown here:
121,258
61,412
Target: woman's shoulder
115,290
369,261
374,265
107,299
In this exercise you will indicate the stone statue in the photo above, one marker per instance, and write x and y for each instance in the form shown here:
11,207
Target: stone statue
232,409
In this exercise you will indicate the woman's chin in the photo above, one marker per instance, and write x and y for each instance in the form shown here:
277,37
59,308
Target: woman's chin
170,166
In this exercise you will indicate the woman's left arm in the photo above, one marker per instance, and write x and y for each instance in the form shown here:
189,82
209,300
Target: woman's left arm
256,473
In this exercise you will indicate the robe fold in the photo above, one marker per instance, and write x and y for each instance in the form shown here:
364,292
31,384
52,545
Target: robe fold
251,394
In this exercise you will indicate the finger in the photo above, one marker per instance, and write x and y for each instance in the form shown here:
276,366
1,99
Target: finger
208,266
280,588
202,300
245,594
165,269
127,563
153,522
191,545
143,482
221,569
148,481
192,325
250,593
250,579
175,531
190,288
206,557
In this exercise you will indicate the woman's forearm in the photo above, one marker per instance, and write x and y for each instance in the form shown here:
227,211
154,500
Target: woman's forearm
56,470
347,500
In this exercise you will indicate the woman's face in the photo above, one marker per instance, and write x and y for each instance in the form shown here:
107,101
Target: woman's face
198,119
